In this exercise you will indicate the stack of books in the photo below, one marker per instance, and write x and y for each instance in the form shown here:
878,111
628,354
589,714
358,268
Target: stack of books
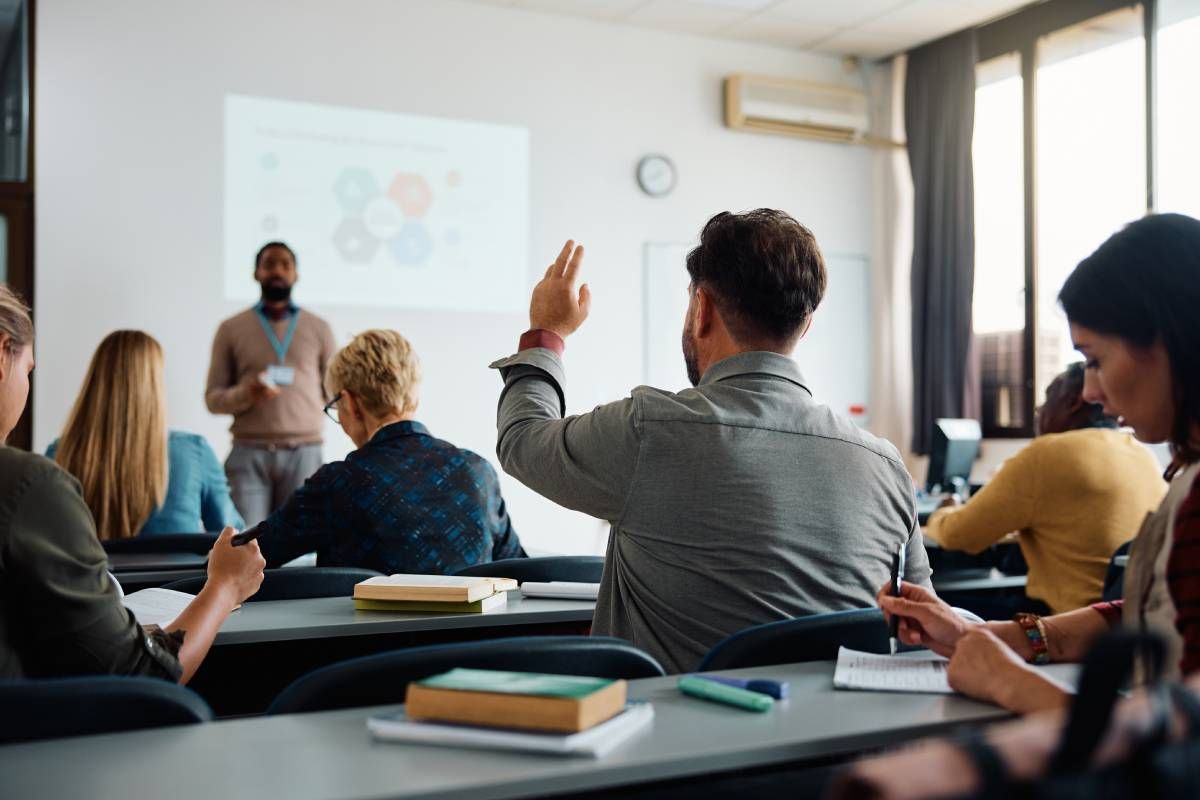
436,593
516,710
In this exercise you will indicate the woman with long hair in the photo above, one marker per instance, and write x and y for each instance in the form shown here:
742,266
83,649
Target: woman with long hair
137,477
64,614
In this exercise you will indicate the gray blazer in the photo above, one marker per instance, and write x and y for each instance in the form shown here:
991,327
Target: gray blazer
738,502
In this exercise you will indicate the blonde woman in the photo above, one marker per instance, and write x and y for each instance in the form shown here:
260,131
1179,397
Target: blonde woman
69,619
404,501
138,478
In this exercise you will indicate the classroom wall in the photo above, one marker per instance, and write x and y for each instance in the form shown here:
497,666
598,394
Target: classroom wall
129,180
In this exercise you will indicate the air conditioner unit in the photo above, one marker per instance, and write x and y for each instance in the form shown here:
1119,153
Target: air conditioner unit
796,108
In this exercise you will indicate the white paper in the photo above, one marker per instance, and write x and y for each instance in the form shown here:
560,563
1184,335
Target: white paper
568,590
157,606
594,742
871,672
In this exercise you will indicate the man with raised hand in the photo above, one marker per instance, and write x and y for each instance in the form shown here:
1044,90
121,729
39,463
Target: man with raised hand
734,503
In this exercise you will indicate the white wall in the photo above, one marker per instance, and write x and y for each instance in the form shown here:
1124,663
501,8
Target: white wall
129,179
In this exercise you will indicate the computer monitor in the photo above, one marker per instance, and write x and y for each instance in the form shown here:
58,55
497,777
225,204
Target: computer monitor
953,453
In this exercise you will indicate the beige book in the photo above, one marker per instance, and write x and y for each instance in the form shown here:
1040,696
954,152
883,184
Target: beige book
446,588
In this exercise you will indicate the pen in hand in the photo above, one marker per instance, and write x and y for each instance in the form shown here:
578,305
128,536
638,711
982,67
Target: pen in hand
897,577
246,536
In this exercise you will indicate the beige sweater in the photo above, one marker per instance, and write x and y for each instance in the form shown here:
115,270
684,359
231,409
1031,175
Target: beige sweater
241,349
1075,497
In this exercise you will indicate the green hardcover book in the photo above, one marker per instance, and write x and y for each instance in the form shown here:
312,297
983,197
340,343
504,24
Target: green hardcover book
498,600
523,700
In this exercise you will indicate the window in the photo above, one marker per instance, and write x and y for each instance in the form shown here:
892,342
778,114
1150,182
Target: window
1178,128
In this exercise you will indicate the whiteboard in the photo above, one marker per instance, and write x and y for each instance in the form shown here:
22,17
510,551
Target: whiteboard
834,357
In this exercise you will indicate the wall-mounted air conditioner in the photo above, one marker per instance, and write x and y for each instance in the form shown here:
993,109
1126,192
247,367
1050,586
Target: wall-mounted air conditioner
796,108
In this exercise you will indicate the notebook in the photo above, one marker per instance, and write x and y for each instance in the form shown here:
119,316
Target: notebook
447,588
594,742
566,590
157,606
878,673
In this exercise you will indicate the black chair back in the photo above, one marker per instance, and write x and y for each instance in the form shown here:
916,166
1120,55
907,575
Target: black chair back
196,543
1114,576
294,583
812,638
383,678
578,569
58,707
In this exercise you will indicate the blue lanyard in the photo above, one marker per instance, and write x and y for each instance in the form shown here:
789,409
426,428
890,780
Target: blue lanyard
279,347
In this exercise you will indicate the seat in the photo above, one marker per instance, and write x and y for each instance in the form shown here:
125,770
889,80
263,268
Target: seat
195,543
81,706
1114,577
297,583
578,569
384,678
813,638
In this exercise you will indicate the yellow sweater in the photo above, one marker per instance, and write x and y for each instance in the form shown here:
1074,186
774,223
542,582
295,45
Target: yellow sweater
1074,497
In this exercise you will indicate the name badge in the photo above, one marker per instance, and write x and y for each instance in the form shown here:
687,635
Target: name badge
281,375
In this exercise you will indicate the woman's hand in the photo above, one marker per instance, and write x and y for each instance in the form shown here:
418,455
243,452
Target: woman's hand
986,668
924,619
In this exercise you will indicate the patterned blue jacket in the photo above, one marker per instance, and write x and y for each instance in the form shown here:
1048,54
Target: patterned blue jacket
403,502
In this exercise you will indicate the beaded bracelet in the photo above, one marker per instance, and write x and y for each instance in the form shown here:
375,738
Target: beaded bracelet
1035,632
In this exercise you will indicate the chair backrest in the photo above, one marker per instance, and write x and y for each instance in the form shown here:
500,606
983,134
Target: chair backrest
384,678
197,543
812,638
579,569
58,707
1114,576
294,583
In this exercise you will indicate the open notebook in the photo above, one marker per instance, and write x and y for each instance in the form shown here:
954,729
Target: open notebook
157,606
871,672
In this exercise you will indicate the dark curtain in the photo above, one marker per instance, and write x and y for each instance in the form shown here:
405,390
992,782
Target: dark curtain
939,119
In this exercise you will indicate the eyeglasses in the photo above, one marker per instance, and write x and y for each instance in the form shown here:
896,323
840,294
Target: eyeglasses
331,409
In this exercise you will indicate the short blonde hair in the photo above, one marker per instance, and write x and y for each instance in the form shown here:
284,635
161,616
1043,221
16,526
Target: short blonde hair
380,369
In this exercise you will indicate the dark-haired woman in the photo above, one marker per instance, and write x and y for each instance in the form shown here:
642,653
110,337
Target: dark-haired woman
1134,309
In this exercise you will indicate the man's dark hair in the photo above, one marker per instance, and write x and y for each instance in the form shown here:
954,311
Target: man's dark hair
1143,286
1065,391
263,250
765,272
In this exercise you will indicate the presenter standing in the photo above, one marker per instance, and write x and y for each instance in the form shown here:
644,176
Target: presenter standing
268,364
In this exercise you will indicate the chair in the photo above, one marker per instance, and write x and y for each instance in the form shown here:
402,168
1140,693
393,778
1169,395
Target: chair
196,543
1114,577
58,707
383,678
812,638
297,583
579,569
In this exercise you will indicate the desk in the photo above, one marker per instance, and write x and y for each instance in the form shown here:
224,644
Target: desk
264,646
331,755
154,562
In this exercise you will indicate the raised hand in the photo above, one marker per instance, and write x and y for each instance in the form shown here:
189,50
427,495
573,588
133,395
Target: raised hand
555,305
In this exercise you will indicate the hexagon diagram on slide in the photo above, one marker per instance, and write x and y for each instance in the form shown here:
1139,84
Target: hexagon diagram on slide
412,246
354,188
411,192
354,241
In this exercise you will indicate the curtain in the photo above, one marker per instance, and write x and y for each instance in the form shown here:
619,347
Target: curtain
939,120
890,400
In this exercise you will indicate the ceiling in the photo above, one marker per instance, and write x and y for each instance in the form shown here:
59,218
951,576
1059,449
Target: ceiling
867,28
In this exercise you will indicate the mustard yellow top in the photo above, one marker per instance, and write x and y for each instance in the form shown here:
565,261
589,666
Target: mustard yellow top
1074,497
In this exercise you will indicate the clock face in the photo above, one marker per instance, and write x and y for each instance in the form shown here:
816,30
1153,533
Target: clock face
656,175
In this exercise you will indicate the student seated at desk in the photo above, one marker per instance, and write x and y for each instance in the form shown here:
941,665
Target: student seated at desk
1132,308
139,479
1078,492
60,612
737,502
404,501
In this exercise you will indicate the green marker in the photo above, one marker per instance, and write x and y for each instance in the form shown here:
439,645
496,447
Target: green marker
729,695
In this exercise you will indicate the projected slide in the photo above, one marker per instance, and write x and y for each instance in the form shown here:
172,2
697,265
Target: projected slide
382,209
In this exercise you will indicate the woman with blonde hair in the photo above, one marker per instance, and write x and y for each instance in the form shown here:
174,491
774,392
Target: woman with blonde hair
404,501
138,478
64,615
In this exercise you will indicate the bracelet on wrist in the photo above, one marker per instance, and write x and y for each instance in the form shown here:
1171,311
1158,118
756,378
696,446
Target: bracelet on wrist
1035,631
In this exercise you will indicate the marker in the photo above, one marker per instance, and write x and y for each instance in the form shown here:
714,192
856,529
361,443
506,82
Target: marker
720,693
776,689
897,573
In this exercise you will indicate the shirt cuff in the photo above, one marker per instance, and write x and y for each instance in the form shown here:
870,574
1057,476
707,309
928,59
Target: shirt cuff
1110,611
540,337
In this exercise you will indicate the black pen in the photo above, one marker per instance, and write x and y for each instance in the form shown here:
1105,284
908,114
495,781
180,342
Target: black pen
246,536
897,578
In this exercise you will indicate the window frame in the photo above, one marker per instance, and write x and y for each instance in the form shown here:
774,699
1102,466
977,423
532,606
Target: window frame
1019,33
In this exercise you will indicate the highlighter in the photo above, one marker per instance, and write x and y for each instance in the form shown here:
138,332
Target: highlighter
720,693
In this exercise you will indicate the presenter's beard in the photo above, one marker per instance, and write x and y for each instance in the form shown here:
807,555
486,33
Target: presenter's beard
276,292
689,359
